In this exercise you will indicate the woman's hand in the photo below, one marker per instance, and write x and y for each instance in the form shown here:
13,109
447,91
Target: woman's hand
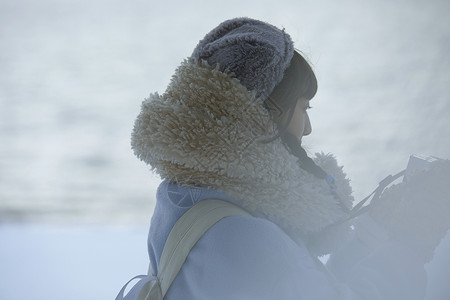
417,212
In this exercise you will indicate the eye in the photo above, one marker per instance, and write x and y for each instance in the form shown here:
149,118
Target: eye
308,107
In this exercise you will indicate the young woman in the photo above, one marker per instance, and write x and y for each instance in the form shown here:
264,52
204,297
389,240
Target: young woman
229,127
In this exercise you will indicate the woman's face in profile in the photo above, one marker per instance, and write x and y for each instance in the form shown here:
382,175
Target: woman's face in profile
300,124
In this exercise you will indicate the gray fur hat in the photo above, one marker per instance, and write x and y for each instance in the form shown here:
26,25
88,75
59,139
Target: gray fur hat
256,53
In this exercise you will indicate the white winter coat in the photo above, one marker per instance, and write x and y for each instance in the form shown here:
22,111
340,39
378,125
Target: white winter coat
203,136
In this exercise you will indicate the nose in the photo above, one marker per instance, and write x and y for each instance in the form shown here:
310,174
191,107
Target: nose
308,127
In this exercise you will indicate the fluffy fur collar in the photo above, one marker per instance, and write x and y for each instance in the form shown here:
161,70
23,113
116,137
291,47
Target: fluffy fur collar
206,130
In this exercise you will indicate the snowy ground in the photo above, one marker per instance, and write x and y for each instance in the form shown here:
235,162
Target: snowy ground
68,262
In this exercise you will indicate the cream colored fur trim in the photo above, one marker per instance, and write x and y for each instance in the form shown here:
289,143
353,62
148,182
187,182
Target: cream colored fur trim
205,130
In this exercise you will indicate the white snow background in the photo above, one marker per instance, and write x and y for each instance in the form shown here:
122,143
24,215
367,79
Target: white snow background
74,201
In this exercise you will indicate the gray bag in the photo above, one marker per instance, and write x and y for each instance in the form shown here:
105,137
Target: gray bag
182,238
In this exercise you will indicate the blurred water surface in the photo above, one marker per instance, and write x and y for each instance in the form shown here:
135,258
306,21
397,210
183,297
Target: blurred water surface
73,75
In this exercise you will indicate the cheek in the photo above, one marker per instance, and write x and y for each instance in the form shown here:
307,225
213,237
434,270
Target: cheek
297,124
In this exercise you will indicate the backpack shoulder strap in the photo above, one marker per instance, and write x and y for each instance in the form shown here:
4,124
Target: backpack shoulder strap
187,231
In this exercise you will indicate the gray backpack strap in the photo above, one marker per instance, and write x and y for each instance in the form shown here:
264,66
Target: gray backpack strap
185,234
182,238
189,228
